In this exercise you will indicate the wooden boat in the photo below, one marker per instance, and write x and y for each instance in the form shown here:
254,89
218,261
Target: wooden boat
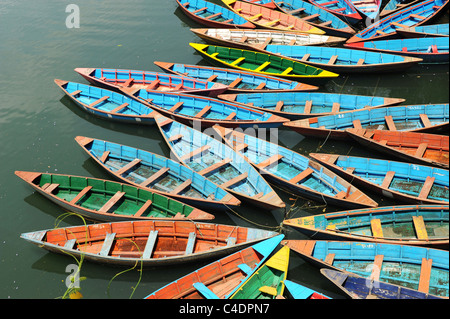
265,3
131,80
298,105
295,172
236,80
187,108
432,30
270,19
150,242
419,268
258,39
158,174
107,104
298,291
357,287
341,8
410,16
219,163
213,15
367,8
420,148
396,5
258,62
423,225
268,281
411,183
105,200
413,118
345,60
218,280
316,16
429,49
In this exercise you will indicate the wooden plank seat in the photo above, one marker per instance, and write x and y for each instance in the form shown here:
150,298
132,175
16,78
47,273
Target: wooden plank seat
143,208
332,60
311,17
388,179
235,82
111,202
335,108
399,25
127,82
200,10
49,187
83,192
308,106
153,85
357,124
70,244
279,106
261,85
128,166
376,270
305,57
203,111
325,23
390,123
377,230
235,180
270,161
175,137
100,100
265,43
425,120
231,116
155,176
215,166
195,152
176,106
190,244
270,23
104,156
425,275
255,17
426,188
243,39
329,3
419,226
75,92
241,146
212,78
294,12
417,17
329,259
301,176
287,71
360,62
150,245
107,244
215,15
262,66
120,107
181,187
421,149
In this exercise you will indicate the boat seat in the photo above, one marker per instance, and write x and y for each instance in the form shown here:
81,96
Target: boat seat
107,244
215,166
286,72
245,268
228,21
328,3
181,187
380,32
332,60
388,179
153,85
154,177
294,12
120,107
175,137
239,147
425,274
426,188
235,180
376,270
292,42
215,15
265,43
357,124
360,62
256,16
212,78
186,4
270,23
375,226
399,25
111,202
260,86
270,161
231,241
205,291
203,111
339,9
335,108
235,82
326,23
190,244
311,17
150,245
70,244
419,226
143,208
279,106
200,10
195,152
243,39
75,92
268,290
329,259
308,106
231,116
176,106
343,194
262,66
83,192
127,167
425,120
421,150
305,57
49,188
100,100
350,170
301,176
127,82
390,123
417,17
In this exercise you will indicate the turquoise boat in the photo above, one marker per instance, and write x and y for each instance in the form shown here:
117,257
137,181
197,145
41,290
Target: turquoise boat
298,105
213,15
218,162
411,16
297,291
428,49
347,60
356,287
157,173
293,171
418,268
368,8
236,80
431,30
316,16
219,279
396,5
106,104
341,8
410,183
413,118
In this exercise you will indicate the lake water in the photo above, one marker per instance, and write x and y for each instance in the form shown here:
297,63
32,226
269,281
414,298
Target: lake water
38,125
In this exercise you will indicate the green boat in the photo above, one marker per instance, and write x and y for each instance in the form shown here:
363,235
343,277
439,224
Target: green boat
268,281
263,63
106,200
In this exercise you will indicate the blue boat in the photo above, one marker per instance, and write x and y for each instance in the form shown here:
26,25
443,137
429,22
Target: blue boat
396,5
418,268
297,291
213,15
345,60
218,162
412,118
208,111
157,173
431,30
429,49
236,80
368,8
107,104
293,171
298,105
316,16
356,287
407,17
219,279
411,183
341,8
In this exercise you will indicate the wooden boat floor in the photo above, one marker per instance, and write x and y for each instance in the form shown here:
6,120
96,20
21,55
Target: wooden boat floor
140,173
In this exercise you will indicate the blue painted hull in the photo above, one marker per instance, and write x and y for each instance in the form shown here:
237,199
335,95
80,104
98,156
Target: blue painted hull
341,8
406,118
219,163
432,30
409,183
200,193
